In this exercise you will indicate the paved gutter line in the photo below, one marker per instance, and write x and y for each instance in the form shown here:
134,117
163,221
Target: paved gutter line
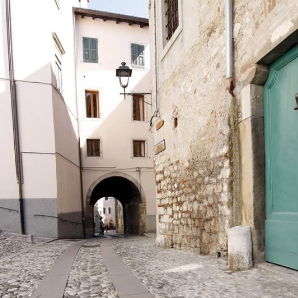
54,283
125,282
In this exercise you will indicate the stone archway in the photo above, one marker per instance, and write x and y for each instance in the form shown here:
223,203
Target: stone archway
127,191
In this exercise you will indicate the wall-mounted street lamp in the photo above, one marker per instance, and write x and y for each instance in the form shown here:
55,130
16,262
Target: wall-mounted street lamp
123,72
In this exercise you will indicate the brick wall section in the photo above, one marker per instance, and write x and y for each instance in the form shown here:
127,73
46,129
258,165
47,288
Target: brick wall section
192,202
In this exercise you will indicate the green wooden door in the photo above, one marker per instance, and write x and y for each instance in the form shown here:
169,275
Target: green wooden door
281,150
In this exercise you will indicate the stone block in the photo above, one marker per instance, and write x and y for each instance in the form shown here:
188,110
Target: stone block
218,188
169,211
184,208
165,218
239,248
161,226
161,210
164,184
160,241
209,189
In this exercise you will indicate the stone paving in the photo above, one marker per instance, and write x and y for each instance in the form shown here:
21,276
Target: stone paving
178,274
11,244
166,273
21,274
89,277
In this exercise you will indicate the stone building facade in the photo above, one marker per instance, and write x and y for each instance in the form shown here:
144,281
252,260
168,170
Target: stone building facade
208,125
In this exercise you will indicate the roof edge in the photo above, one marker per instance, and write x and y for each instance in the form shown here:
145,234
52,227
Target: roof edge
118,18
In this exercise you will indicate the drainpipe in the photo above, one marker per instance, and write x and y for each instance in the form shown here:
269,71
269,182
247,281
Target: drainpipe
155,55
229,46
156,112
78,126
14,111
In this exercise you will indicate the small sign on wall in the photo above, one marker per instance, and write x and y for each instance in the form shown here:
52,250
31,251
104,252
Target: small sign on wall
159,147
159,124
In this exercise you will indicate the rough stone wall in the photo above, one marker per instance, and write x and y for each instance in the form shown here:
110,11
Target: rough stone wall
191,203
119,217
193,173
197,174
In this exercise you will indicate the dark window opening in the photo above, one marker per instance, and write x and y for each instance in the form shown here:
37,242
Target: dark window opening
172,18
139,148
138,108
58,74
93,147
92,104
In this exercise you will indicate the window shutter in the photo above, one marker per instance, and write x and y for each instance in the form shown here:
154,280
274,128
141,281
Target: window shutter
94,54
134,54
141,55
86,49
137,55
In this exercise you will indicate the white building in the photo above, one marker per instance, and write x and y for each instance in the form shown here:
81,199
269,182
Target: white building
49,182
116,145
105,208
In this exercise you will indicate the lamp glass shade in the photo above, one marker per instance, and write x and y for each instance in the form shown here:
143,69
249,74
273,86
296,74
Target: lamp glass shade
123,71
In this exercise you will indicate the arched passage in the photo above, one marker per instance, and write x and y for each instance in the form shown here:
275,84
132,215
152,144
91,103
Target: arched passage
127,191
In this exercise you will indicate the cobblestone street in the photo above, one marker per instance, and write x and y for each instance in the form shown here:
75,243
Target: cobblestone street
164,272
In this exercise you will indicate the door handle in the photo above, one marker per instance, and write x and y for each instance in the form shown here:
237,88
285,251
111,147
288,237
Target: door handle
296,97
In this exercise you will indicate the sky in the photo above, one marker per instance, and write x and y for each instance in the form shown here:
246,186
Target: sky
137,8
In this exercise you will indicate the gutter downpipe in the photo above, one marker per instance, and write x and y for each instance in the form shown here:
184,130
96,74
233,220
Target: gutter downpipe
229,46
156,112
155,55
14,111
78,125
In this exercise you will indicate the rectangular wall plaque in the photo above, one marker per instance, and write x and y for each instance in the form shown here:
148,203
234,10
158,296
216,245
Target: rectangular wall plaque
159,147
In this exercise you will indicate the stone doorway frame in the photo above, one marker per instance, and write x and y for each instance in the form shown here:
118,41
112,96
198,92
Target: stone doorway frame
252,145
252,159
89,209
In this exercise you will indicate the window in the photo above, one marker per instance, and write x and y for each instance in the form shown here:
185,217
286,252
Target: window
57,61
58,73
93,147
92,104
90,52
104,210
109,210
106,198
139,148
138,107
172,18
137,55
